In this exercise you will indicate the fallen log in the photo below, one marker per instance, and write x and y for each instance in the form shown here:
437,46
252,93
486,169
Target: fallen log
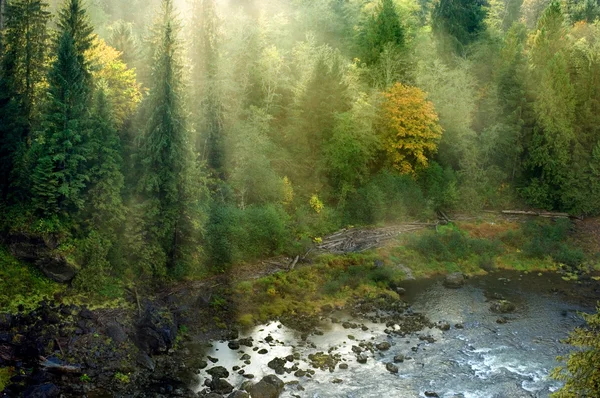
56,367
537,214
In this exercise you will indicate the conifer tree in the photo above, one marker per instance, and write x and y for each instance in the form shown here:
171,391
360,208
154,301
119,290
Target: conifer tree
22,70
169,184
63,149
381,29
458,22
106,210
205,55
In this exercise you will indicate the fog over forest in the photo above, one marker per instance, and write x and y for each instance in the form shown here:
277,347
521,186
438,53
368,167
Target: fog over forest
146,144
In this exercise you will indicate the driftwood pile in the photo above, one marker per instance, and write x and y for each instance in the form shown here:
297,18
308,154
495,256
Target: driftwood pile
359,240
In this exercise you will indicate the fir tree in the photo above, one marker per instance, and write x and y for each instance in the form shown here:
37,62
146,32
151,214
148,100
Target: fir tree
167,184
65,139
382,29
22,70
208,123
458,22
106,210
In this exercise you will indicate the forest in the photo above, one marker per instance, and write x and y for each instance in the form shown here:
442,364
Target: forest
145,142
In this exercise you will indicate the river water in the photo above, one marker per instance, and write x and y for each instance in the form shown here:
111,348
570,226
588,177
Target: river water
484,359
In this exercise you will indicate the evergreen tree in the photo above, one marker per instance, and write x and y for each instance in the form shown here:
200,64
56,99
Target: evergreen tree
105,207
64,147
169,184
458,22
549,153
381,29
205,57
22,71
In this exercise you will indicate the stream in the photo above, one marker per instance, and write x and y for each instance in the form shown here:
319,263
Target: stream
480,358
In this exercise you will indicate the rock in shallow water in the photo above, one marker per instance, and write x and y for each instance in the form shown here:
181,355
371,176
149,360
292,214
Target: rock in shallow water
454,281
391,367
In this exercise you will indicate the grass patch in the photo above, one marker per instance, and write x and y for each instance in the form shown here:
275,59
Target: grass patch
5,375
331,280
23,285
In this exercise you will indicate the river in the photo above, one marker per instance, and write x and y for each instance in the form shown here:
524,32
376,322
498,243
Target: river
481,359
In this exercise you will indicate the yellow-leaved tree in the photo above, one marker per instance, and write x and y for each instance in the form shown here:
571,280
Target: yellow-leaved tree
409,127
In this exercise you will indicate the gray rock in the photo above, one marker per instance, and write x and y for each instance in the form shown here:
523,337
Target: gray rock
116,332
238,394
218,372
221,386
399,358
391,367
502,307
234,345
454,281
444,326
431,394
47,390
383,346
269,387
42,253
362,358
145,361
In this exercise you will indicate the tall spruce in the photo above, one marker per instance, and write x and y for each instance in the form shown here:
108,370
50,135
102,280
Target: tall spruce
458,22
63,149
167,183
22,70
205,57
381,29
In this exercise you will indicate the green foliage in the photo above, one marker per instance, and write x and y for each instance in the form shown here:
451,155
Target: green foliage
386,197
21,284
581,373
452,245
238,235
550,239
24,49
380,29
122,378
459,22
170,184
61,172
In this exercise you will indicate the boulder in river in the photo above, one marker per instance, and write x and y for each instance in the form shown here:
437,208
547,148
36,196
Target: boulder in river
218,372
269,387
221,386
391,367
383,346
431,394
238,394
502,306
362,358
399,358
454,281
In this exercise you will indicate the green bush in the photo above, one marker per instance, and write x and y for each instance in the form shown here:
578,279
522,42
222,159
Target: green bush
450,245
387,197
235,235
551,239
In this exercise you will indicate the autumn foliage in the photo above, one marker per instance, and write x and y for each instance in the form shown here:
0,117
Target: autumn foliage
409,127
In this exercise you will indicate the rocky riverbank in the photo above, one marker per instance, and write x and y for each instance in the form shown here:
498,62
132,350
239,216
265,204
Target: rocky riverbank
166,347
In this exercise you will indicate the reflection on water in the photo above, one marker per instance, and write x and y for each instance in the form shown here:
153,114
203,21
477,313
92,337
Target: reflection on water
483,359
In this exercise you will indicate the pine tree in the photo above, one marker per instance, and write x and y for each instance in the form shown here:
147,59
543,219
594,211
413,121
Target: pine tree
205,56
458,22
22,70
169,190
105,206
381,29
65,140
